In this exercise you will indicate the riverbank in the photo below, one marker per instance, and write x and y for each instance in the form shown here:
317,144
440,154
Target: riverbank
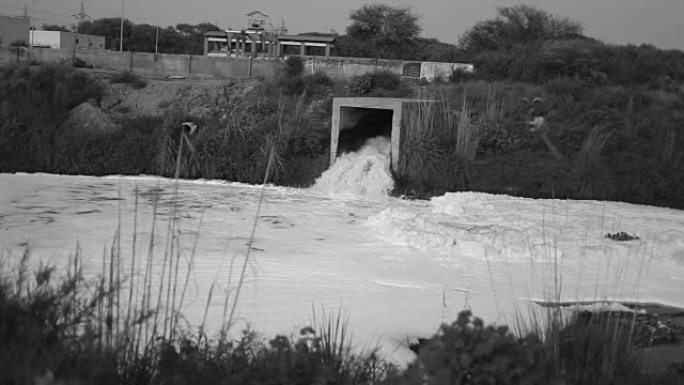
592,142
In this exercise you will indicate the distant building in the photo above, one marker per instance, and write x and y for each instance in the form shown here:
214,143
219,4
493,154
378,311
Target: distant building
305,45
233,43
66,40
258,41
13,30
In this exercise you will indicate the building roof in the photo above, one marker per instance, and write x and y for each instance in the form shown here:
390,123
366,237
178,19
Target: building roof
308,38
215,33
256,12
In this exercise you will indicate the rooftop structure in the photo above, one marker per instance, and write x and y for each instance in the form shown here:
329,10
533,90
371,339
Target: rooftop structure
259,41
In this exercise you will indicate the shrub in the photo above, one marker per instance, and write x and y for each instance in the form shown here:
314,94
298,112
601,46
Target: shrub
468,352
129,78
621,236
458,75
361,85
34,103
386,80
319,83
294,66
380,83
51,324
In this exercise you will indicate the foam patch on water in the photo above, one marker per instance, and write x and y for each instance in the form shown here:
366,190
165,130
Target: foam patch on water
363,173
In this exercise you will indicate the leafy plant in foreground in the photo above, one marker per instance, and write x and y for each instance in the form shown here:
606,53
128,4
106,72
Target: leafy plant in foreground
468,352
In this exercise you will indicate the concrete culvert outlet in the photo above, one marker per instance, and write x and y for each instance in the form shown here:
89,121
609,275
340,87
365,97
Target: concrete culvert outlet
355,120
361,124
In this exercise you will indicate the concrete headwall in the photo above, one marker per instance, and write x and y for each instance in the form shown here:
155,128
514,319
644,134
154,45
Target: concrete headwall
223,67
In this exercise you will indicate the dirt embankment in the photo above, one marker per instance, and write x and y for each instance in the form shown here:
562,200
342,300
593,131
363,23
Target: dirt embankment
196,97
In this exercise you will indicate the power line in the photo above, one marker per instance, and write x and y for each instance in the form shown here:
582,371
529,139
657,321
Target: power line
44,19
37,11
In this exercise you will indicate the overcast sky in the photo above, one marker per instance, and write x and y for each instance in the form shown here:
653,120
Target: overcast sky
657,22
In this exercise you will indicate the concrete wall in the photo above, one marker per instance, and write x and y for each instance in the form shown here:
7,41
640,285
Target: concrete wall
224,67
13,29
90,41
347,67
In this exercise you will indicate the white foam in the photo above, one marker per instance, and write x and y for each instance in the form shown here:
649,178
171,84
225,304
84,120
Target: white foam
363,173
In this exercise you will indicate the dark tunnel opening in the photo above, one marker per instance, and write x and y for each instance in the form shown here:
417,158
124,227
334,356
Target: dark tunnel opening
360,124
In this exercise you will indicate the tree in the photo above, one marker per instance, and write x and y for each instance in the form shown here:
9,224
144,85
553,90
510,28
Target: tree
520,24
382,31
193,36
55,27
143,37
110,28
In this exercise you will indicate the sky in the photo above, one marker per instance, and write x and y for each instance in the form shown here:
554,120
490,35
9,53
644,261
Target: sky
657,22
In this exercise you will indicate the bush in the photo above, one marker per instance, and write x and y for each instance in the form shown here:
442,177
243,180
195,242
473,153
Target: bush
34,103
361,85
467,352
129,78
621,236
294,66
386,80
458,75
380,83
51,324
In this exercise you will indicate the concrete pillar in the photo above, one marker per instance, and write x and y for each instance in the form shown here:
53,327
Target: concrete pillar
263,45
327,50
396,137
229,48
302,49
335,130
206,45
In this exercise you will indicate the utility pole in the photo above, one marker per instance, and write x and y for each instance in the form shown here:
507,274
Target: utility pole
80,17
28,22
33,20
156,41
122,25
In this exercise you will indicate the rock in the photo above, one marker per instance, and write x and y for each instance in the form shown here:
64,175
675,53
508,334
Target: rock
86,118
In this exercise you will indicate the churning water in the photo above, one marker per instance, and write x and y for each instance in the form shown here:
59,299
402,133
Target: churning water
362,173
397,268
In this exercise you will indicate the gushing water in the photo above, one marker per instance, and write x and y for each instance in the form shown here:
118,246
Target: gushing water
362,173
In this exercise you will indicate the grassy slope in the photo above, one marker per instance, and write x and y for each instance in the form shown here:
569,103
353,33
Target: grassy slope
597,142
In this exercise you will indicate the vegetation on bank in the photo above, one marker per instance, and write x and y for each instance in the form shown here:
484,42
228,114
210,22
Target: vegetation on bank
548,113
566,138
61,327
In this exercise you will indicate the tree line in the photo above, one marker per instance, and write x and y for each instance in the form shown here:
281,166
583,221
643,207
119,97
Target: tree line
521,43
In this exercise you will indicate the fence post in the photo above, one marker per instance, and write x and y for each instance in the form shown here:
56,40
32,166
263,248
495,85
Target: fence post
189,65
249,68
